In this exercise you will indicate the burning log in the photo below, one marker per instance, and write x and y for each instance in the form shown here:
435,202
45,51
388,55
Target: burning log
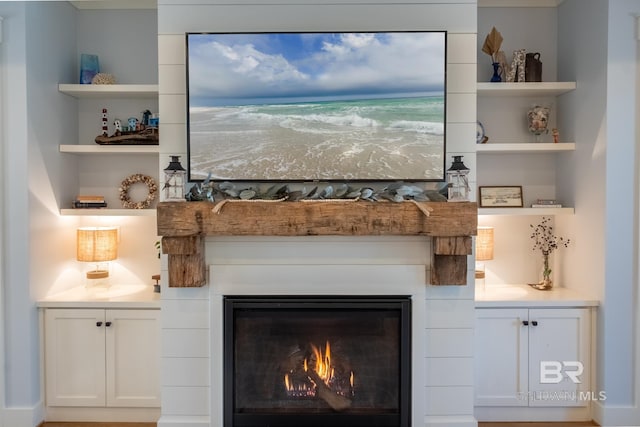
335,401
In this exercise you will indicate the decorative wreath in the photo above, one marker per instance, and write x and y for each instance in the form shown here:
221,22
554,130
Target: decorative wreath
152,187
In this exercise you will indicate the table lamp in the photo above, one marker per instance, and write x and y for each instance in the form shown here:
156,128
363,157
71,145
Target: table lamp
97,246
484,251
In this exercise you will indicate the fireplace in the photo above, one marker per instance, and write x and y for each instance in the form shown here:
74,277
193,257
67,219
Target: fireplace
317,361
311,248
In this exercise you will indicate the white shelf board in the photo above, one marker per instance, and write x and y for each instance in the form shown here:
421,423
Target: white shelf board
519,3
525,147
108,212
115,4
109,149
525,89
526,211
109,91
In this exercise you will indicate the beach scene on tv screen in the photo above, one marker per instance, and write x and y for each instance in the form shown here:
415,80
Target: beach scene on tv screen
316,106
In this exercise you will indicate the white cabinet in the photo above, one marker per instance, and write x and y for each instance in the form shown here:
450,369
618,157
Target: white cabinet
102,357
513,343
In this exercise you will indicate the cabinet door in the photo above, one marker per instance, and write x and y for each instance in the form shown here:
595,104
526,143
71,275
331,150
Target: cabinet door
74,357
559,348
133,358
501,357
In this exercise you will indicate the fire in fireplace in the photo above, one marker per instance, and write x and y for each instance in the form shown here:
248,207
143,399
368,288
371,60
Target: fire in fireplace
317,361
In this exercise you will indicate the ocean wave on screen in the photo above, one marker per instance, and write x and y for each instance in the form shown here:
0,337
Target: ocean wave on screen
430,128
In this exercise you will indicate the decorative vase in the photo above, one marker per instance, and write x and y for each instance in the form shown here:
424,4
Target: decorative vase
497,70
538,121
533,67
89,67
546,283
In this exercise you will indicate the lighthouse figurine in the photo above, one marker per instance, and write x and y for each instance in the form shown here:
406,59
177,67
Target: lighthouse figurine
105,128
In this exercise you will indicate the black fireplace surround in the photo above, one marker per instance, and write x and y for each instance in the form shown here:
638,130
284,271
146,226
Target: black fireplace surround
317,361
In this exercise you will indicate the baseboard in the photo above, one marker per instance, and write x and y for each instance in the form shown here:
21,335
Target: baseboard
450,421
183,421
94,414
532,414
24,417
616,416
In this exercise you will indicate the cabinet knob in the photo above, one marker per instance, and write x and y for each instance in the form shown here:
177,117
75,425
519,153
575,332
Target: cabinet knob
525,323
107,324
98,324
534,323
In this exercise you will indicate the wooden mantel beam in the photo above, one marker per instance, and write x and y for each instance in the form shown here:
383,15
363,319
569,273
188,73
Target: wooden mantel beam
451,225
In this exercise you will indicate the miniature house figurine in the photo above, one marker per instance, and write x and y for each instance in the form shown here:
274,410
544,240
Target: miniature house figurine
458,181
174,180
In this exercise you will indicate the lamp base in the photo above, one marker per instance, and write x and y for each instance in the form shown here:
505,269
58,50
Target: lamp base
480,276
97,279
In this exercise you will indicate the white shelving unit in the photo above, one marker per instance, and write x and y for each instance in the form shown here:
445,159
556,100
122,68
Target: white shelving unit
118,93
525,147
526,211
525,89
108,212
109,91
109,149
511,92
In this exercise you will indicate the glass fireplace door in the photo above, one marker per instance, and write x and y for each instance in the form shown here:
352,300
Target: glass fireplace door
317,362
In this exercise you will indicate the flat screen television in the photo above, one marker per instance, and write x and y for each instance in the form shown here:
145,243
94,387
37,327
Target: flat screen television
341,106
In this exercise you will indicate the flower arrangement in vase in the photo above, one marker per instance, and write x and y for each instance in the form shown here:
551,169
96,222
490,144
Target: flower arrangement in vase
546,242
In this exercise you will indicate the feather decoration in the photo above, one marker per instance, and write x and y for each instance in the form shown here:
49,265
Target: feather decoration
492,43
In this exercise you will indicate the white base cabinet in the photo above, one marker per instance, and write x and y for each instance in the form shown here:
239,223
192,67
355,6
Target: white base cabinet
532,357
102,357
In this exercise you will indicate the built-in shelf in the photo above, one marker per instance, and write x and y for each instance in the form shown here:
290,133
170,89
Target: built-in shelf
108,212
109,91
526,211
526,147
109,149
525,89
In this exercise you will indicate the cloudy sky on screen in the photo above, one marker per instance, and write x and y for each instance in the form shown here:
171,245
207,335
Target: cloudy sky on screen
228,69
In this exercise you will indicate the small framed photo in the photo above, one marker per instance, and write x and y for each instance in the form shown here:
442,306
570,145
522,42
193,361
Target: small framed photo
500,196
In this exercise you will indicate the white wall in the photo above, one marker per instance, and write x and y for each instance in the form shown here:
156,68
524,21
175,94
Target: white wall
18,316
621,281
447,401
597,48
3,109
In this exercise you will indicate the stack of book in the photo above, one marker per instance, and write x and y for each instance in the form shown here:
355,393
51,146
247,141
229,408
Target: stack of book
89,202
546,203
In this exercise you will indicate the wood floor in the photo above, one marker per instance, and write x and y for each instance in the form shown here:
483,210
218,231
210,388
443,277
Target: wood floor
55,424
580,424
573,424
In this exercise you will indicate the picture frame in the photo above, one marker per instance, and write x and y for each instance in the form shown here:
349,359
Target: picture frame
500,196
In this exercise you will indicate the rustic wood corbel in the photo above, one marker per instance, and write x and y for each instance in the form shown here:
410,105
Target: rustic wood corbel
449,261
186,261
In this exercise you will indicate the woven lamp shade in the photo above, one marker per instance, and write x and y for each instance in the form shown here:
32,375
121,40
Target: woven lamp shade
97,244
484,244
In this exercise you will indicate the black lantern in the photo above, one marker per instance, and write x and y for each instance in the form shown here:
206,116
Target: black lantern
458,181
175,177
